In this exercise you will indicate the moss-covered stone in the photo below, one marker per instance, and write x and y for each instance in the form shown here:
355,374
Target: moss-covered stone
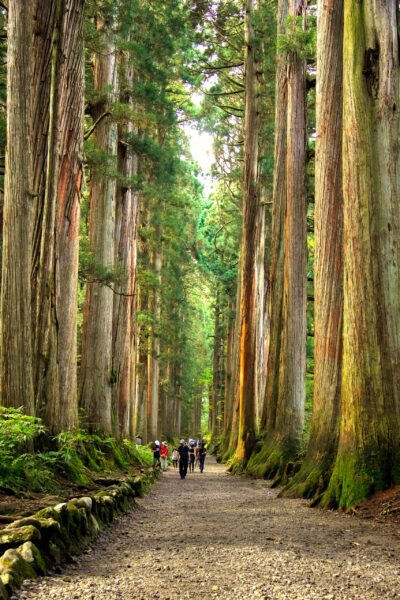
14,569
32,555
12,538
56,533
48,527
85,502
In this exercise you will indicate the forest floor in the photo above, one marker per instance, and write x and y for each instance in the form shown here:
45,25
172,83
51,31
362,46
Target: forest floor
214,535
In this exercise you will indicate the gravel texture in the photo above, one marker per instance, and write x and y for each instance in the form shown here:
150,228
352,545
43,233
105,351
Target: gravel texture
214,535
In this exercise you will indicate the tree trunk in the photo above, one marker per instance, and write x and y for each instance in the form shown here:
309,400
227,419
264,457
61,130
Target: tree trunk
368,456
124,316
216,383
285,389
246,435
292,367
57,142
16,339
328,279
64,415
278,219
154,342
96,370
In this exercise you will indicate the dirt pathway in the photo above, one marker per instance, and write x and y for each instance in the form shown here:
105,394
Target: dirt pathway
217,536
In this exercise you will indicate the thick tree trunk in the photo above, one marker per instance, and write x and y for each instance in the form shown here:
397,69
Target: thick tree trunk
328,279
277,243
246,435
64,416
285,389
96,368
368,456
16,338
124,316
292,364
154,342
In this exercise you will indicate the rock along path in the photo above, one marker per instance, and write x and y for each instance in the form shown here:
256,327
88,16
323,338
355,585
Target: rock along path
218,536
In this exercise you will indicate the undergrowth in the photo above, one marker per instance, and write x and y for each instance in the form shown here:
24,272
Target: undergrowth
31,460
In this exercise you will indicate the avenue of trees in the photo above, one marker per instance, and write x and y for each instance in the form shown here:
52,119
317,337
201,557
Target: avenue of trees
266,314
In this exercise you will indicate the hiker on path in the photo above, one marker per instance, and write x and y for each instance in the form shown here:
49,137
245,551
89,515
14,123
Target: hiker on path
196,454
175,457
164,456
183,451
202,455
191,456
156,453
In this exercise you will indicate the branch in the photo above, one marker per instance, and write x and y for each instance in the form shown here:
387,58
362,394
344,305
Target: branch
97,122
101,282
223,93
220,67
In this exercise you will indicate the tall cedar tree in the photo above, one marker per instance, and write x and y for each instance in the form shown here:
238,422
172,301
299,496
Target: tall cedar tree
368,456
328,279
16,318
96,376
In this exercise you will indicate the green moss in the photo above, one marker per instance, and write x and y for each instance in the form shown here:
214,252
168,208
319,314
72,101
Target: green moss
310,482
11,538
14,569
31,554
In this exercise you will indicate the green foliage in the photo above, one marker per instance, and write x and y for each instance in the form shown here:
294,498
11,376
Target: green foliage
75,456
299,38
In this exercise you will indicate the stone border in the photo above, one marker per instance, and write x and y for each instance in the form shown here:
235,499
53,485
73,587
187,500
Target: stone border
30,546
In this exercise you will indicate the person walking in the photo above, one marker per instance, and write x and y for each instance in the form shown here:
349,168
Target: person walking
164,456
183,451
202,455
191,456
156,454
175,457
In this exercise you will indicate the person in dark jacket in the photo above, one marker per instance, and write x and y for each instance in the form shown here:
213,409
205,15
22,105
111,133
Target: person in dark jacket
202,455
183,451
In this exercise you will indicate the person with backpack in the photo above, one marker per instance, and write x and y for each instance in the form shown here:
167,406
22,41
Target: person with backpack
202,455
164,456
183,451
156,454
191,456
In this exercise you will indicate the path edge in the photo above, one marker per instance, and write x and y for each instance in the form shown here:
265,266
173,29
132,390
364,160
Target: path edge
31,546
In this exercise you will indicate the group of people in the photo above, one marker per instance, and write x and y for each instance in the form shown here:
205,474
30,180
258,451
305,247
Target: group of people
187,456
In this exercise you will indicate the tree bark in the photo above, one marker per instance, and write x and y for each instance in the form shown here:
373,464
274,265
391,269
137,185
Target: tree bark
292,363
246,435
278,219
154,342
16,339
368,456
96,369
285,388
124,310
328,279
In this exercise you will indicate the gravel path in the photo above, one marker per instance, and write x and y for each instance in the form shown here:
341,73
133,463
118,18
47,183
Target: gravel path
218,536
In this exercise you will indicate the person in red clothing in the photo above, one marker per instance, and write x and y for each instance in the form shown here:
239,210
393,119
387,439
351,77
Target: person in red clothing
164,456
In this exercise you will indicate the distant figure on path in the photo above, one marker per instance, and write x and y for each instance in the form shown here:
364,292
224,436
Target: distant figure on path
164,456
156,453
191,456
183,451
139,440
175,457
202,455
